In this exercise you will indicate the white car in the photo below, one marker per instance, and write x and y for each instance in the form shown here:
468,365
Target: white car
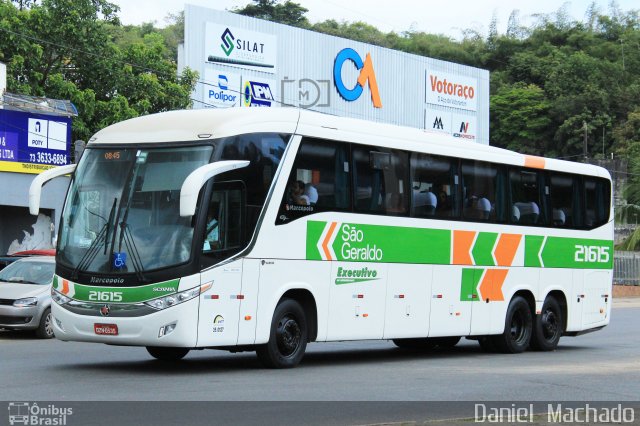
25,295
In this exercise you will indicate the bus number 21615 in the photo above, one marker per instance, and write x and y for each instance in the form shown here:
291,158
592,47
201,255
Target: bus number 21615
598,254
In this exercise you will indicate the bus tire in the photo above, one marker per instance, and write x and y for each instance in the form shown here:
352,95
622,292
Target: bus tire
487,344
288,336
518,328
548,326
167,354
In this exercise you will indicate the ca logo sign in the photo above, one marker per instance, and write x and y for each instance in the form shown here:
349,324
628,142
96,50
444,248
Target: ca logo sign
366,75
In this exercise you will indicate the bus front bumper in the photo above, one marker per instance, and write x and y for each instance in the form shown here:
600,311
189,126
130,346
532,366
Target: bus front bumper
181,322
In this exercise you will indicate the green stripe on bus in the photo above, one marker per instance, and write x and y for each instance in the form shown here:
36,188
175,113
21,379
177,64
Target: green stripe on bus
469,286
483,248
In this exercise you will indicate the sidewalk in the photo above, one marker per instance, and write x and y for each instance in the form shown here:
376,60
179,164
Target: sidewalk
626,302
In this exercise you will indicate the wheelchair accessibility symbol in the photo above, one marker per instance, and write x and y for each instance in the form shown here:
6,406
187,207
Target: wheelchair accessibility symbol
119,260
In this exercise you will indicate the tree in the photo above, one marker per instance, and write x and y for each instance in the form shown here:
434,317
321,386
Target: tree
288,13
520,119
77,50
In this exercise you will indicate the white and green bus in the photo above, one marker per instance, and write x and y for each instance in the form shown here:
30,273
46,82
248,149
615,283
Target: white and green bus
245,229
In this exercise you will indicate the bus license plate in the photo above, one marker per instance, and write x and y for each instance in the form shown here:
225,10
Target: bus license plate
106,329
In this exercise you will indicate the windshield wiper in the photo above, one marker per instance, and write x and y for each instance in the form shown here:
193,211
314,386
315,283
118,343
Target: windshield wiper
125,234
93,249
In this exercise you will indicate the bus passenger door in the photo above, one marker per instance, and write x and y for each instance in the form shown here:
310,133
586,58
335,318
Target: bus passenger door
220,305
357,300
407,301
450,312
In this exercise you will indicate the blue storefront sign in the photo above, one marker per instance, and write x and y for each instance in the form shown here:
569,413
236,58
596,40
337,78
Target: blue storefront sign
31,143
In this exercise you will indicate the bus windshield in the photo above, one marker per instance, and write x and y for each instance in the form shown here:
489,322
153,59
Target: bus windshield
122,209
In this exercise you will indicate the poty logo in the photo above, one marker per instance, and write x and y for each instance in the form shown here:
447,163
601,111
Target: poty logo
366,75
257,94
227,42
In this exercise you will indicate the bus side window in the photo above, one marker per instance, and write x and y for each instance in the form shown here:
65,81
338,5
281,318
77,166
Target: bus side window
528,201
596,202
482,192
432,186
381,181
224,231
561,195
319,180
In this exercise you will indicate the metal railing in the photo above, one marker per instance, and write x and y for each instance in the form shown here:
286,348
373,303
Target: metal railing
626,267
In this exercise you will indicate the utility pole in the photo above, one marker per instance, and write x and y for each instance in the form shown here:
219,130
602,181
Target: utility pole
622,47
586,154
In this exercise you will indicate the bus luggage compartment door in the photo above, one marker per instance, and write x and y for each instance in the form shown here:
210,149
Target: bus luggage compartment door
220,306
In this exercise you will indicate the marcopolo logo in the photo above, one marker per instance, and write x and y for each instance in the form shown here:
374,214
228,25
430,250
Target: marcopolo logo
26,413
227,41
367,75
257,94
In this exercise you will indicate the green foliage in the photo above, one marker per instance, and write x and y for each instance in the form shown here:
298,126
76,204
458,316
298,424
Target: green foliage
77,50
288,13
632,243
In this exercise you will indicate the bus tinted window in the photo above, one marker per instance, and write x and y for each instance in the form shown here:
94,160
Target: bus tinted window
319,180
528,203
433,190
565,193
381,181
597,193
264,151
482,187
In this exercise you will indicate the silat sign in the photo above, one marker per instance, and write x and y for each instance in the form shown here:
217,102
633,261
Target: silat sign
237,47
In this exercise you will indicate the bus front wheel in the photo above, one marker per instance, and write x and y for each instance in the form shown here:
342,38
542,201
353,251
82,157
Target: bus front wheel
288,336
518,328
167,354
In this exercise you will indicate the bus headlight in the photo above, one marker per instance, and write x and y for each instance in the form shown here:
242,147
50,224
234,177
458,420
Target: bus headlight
59,298
175,299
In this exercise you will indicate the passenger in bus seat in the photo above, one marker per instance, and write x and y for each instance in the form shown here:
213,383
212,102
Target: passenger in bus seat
311,193
483,208
296,194
559,217
529,212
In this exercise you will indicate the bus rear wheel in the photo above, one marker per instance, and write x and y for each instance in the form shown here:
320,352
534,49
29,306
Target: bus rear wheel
167,354
518,328
548,326
288,337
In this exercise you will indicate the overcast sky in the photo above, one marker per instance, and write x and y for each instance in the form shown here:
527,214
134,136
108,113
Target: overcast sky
447,17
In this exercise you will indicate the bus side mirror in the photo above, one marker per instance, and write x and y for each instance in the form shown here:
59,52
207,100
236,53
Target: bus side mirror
38,182
196,180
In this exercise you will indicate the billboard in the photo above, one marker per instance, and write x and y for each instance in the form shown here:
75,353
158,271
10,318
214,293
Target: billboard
278,65
32,143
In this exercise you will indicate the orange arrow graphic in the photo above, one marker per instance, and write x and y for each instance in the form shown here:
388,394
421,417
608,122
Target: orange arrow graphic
491,284
462,241
327,238
506,249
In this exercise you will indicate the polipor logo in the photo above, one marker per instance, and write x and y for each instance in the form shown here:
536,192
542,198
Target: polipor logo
366,75
227,42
